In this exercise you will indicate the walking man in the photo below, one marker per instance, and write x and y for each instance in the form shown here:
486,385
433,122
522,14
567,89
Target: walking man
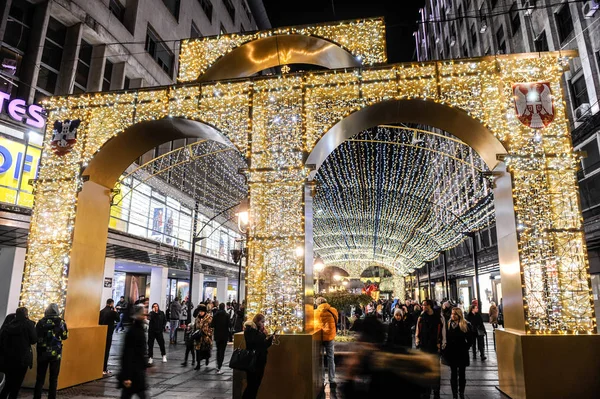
156,326
51,331
430,337
326,318
220,325
174,314
108,318
121,308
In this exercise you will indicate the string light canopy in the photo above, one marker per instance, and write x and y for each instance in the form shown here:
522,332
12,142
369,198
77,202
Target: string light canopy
396,196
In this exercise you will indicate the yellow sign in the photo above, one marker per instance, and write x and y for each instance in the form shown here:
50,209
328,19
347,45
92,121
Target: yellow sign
18,164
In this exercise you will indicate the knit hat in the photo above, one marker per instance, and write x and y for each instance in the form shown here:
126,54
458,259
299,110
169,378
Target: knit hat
202,308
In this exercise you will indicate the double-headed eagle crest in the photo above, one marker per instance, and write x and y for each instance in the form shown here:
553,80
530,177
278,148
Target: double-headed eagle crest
64,136
533,103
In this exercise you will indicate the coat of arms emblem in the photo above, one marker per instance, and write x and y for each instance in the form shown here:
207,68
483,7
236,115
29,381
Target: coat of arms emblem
64,136
533,103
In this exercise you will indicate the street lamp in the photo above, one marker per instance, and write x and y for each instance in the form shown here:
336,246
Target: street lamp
243,221
318,266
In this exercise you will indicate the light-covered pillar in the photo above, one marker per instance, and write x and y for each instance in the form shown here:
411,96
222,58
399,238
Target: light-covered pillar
12,262
158,287
197,288
222,284
109,281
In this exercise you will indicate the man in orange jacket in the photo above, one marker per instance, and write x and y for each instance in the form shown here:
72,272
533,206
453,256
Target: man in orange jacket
326,318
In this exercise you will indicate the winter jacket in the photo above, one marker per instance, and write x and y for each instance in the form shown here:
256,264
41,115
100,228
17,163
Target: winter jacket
133,360
108,317
220,324
16,339
326,318
238,323
493,314
456,352
477,322
430,332
158,321
399,333
175,310
258,341
51,331
204,343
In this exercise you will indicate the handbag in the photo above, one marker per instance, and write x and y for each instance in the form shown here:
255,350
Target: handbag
243,360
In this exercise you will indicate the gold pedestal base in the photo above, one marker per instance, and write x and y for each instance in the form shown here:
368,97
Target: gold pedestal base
82,359
548,366
294,368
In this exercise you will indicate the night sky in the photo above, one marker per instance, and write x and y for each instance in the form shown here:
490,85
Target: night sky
400,18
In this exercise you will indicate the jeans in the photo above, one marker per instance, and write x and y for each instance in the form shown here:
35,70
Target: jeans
109,337
158,336
458,380
120,323
253,380
14,378
42,366
173,333
221,346
329,352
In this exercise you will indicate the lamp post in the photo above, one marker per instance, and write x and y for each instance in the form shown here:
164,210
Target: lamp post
243,221
318,267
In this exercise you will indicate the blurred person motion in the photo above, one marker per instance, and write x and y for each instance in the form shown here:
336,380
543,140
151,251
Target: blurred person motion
376,370
326,318
16,356
459,337
430,337
132,377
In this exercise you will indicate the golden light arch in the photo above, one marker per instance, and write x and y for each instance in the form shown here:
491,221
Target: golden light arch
286,125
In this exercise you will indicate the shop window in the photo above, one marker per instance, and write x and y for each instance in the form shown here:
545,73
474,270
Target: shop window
564,22
579,92
159,51
207,7
541,42
230,9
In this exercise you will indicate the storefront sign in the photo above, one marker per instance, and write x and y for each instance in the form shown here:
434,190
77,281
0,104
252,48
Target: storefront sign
19,111
108,282
18,164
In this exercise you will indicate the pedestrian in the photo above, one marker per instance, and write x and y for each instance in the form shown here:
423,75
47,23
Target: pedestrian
493,315
326,319
459,338
121,307
203,335
108,317
189,345
174,315
156,327
399,334
474,317
184,314
132,376
16,338
220,325
240,315
446,311
231,314
430,336
51,331
257,340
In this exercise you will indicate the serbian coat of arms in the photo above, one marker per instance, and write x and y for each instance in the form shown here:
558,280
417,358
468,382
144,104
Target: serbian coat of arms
64,136
534,104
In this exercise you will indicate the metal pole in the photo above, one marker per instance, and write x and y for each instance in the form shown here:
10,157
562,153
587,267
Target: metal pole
192,260
446,282
239,288
476,267
428,280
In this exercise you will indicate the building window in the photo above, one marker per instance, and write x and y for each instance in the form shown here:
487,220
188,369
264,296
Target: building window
51,56
108,68
465,50
247,10
159,51
515,19
117,9
83,67
18,25
223,31
173,7
207,7
541,42
579,91
127,83
460,15
564,22
494,4
591,162
194,31
500,39
230,9
473,36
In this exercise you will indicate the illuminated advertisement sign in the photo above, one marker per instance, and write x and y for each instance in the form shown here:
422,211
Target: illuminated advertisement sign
19,111
18,163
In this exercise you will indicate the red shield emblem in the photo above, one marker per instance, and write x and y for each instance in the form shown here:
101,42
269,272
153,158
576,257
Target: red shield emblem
64,136
534,104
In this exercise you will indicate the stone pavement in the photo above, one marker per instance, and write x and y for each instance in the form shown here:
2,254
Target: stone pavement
171,380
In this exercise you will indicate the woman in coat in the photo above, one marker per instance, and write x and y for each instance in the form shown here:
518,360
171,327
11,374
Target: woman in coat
16,338
399,333
474,317
132,377
459,337
256,339
202,335
493,315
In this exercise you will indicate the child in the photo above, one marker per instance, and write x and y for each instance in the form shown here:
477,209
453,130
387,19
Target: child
189,345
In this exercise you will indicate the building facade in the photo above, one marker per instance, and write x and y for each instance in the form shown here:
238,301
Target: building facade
60,47
451,29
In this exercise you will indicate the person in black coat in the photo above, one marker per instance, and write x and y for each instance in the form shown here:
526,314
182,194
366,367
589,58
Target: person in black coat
459,336
474,317
108,317
157,323
16,338
132,377
399,333
257,340
220,325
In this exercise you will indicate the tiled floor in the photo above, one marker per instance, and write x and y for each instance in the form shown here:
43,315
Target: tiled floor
171,380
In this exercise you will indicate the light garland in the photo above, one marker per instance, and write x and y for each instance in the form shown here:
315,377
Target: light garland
275,122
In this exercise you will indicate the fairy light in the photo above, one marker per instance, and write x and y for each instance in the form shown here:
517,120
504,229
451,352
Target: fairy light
275,138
